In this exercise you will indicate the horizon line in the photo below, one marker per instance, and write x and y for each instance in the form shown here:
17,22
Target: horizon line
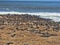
0,0
51,1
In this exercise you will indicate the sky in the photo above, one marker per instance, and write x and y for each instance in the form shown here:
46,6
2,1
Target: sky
29,0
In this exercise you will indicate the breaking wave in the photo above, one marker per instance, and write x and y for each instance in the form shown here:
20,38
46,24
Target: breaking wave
47,15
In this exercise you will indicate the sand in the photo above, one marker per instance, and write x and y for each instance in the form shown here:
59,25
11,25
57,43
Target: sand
24,29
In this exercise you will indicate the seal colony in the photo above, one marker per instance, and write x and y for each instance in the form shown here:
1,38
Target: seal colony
47,15
25,29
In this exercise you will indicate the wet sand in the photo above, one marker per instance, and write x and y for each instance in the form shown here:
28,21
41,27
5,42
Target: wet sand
28,30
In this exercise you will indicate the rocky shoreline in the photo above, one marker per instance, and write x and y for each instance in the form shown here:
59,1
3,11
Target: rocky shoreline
28,30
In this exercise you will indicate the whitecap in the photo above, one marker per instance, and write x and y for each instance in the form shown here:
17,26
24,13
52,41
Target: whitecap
48,15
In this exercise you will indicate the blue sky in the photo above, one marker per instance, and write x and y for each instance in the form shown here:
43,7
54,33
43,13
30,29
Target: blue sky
29,0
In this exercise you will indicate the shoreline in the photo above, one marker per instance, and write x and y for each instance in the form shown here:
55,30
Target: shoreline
45,15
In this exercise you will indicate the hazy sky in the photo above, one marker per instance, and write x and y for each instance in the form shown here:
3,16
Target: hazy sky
29,0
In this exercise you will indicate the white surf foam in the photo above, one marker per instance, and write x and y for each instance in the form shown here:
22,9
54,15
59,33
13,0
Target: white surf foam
54,16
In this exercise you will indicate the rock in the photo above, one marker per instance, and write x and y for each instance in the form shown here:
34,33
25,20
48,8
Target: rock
9,43
46,34
13,35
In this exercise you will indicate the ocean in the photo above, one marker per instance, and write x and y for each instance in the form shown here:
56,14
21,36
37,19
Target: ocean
30,6
45,9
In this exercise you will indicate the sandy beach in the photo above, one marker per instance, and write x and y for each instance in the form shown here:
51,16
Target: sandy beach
24,29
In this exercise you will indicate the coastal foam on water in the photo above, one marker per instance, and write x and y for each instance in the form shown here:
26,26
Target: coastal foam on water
47,15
